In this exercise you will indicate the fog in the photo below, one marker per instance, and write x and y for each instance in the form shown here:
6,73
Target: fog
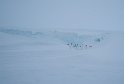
63,14
61,42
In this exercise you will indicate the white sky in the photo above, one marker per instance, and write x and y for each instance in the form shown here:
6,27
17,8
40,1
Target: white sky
70,14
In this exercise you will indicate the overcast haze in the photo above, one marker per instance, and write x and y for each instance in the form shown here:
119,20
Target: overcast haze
61,42
69,14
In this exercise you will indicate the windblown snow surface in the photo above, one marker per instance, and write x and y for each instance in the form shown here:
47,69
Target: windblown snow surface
61,57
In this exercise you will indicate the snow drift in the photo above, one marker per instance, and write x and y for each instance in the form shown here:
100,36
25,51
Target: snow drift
58,57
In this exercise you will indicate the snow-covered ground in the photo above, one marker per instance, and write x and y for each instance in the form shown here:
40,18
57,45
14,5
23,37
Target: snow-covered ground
59,57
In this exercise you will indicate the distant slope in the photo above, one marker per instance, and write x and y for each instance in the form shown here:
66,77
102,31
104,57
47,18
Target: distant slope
74,40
